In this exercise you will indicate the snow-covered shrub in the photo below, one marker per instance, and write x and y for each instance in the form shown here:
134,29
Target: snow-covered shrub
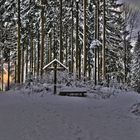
31,86
16,86
119,85
105,92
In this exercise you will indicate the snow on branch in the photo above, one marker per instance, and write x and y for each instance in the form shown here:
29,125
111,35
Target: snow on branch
39,6
95,43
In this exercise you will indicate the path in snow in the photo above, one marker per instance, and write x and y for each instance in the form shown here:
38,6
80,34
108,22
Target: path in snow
68,118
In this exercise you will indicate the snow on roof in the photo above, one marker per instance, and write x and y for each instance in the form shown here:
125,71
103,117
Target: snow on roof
55,60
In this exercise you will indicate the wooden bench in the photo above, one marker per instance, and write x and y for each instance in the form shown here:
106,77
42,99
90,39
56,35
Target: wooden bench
73,93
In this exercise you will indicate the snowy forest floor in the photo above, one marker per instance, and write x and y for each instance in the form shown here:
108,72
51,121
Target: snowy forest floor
52,117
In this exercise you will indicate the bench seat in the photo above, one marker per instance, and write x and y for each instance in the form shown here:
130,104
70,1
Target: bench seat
72,93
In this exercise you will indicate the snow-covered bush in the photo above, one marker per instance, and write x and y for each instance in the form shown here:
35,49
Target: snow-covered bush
119,85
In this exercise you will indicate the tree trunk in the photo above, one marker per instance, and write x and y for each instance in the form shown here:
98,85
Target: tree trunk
79,73
42,39
95,65
77,39
35,60
98,49
2,73
66,46
125,50
72,46
27,56
104,42
69,56
125,62
31,50
38,55
22,75
8,82
18,47
95,49
61,43
85,38
54,44
50,48
15,72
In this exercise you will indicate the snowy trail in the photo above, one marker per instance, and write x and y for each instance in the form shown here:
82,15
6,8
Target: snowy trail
68,118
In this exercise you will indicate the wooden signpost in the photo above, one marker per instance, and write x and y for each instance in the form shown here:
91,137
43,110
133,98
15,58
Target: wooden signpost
55,67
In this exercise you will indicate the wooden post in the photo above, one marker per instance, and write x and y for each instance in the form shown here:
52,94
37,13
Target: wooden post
55,77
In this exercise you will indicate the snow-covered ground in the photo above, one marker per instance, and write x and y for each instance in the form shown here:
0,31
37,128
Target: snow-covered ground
53,117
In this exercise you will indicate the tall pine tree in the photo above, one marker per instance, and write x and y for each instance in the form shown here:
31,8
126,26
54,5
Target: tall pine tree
136,65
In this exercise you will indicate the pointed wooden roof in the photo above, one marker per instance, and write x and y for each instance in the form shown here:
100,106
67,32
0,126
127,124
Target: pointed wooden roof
55,60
